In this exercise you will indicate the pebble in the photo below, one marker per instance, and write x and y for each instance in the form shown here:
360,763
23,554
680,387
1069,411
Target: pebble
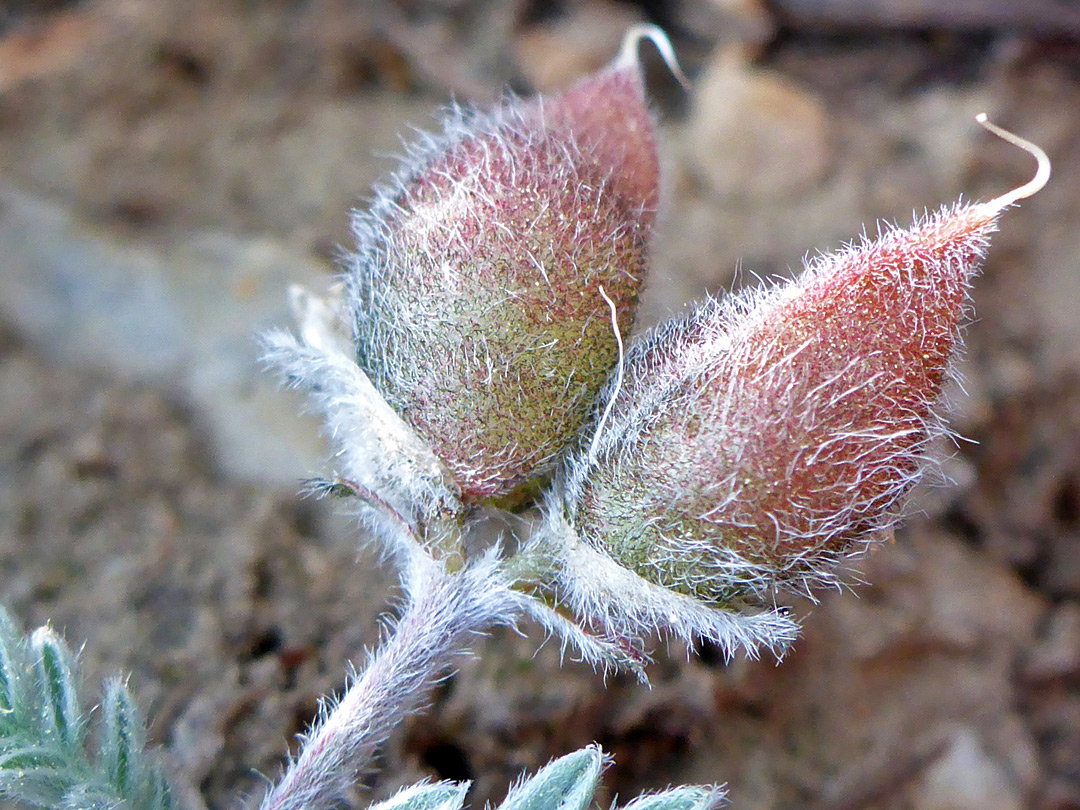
754,134
1057,654
184,315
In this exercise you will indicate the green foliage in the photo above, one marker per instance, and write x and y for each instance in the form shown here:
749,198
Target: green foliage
684,797
44,761
440,796
567,783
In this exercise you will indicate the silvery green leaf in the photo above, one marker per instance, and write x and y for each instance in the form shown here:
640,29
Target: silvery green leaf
36,775
160,795
17,705
43,759
55,668
567,783
91,797
438,796
685,797
123,738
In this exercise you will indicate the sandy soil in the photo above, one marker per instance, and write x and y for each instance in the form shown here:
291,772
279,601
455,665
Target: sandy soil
950,680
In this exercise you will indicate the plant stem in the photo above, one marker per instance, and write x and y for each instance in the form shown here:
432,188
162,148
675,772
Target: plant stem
442,609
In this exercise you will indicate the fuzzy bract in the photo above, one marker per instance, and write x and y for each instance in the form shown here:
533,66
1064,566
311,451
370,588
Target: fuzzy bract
475,284
756,443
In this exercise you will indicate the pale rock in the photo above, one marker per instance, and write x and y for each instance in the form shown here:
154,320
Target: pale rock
182,313
755,134
552,55
966,777
1057,655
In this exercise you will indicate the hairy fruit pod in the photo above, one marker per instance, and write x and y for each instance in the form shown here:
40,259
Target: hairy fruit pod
756,443
475,283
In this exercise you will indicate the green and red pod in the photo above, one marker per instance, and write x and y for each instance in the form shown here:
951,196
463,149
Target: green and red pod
475,285
756,443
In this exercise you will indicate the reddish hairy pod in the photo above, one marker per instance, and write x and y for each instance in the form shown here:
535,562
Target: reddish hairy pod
475,283
757,442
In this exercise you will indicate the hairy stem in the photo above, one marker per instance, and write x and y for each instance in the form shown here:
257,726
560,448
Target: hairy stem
442,609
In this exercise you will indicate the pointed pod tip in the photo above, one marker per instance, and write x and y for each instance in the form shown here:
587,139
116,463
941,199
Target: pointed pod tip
628,53
1033,186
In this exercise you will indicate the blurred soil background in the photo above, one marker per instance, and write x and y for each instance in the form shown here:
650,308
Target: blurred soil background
167,168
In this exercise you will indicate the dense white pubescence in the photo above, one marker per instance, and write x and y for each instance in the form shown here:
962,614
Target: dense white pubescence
873,453
372,225
814,553
680,500
376,449
656,370
626,607
685,797
442,610
426,796
472,291
618,603
604,653
566,783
